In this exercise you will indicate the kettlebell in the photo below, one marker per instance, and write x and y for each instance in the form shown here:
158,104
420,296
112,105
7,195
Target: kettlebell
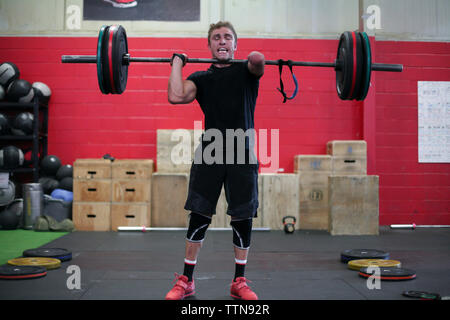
289,227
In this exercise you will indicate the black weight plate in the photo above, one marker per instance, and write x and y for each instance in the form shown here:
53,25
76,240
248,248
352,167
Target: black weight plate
341,67
115,62
120,70
390,273
344,74
367,67
10,272
104,61
57,253
354,254
358,65
422,295
99,59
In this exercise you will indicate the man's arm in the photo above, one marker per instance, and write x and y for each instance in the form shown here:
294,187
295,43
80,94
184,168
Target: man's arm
180,91
256,63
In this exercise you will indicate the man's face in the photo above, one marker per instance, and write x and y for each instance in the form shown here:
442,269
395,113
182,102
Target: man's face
222,44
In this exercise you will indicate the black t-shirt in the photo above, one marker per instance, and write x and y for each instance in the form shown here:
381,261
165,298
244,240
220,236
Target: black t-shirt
227,97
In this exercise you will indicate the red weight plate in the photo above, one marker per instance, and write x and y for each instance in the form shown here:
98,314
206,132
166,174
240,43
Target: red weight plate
112,30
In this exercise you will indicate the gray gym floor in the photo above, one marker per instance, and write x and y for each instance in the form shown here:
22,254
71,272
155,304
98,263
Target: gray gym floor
301,266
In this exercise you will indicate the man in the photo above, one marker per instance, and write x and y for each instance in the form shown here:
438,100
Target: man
227,96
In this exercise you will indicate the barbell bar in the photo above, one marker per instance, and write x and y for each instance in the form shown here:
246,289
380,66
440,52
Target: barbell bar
127,59
353,64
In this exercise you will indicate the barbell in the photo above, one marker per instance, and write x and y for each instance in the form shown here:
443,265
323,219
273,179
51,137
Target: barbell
353,64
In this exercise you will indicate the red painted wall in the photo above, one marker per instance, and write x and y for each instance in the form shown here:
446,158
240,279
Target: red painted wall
86,124
409,191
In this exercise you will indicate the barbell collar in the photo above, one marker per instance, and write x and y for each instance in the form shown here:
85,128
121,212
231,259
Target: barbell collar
387,67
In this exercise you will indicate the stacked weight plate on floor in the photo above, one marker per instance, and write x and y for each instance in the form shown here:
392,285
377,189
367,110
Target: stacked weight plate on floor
424,295
112,71
35,263
363,260
354,254
353,66
365,263
48,263
389,273
10,272
56,253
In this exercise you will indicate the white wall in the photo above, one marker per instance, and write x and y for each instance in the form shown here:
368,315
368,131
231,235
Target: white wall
399,19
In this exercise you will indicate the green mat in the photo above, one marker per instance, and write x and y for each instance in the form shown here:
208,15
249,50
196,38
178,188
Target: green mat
14,242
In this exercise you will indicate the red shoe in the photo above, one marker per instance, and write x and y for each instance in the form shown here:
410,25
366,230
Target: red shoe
181,289
122,3
240,290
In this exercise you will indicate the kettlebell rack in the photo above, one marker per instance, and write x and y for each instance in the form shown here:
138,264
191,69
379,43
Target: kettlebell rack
38,139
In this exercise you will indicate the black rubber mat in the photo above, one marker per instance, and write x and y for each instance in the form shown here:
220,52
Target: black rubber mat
304,265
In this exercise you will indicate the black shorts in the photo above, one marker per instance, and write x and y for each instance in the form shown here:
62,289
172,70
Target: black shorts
240,182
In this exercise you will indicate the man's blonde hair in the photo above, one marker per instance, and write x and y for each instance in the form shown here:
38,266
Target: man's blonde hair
218,25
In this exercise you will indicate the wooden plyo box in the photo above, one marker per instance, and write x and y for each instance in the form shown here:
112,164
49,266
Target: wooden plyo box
347,165
131,193
130,214
131,190
92,180
92,169
91,216
354,206
280,194
169,193
108,195
92,190
355,148
313,171
313,199
132,169
349,157
92,194
312,163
